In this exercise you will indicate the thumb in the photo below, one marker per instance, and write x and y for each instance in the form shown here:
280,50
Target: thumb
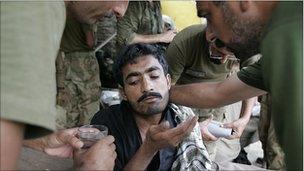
228,125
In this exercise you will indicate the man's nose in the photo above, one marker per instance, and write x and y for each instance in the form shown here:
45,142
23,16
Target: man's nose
121,8
146,85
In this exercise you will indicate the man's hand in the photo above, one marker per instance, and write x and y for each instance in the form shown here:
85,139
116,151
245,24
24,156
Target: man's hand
60,143
167,36
161,136
206,135
237,126
100,156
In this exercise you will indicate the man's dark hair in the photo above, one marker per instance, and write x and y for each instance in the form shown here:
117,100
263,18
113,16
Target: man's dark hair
130,53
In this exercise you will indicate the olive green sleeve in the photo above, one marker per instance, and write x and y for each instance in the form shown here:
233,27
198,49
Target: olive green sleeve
128,25
176,61
252,75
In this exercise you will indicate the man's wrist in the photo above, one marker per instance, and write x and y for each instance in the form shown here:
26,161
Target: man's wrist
149,150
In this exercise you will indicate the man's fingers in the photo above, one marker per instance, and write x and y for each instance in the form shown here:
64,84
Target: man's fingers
183,129
107,140
163,126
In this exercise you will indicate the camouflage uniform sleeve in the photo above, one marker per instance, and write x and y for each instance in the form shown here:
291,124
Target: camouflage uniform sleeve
176,61
128,25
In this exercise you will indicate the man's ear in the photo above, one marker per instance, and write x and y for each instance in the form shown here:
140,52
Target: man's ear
168,77
122,92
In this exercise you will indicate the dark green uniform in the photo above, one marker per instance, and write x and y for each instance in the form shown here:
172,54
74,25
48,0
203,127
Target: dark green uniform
141,17
280,72
78,84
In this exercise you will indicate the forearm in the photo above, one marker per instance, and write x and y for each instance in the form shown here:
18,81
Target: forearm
37,143
195,95
212,95
247,106
11,143
140,38
141,159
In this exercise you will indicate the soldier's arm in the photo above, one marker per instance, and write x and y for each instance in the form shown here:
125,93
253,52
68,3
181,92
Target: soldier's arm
11,143
165,37
212,95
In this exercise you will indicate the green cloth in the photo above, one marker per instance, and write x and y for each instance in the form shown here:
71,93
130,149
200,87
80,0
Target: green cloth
74,36
280,71
141,17
30,39
188,58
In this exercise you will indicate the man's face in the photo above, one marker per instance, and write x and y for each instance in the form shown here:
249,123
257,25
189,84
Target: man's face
241,34
91,11
146,87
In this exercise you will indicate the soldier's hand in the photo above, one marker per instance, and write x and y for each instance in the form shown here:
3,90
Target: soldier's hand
167,36
100,156
237,126
162,136
60,143
206,135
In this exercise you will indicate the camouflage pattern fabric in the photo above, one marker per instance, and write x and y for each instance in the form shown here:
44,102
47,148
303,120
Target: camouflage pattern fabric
141,17
273,153
78,88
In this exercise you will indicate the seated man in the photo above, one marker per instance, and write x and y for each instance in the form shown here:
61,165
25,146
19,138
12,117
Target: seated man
150,133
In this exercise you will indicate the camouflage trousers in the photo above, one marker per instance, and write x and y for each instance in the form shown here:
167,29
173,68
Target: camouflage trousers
222,150
78,88
273,153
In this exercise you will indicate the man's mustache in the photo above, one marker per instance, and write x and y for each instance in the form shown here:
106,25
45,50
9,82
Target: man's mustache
149,94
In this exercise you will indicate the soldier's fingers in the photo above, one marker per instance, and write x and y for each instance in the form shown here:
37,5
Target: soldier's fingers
67,137
207,136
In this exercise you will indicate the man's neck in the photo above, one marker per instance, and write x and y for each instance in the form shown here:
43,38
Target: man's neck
144,122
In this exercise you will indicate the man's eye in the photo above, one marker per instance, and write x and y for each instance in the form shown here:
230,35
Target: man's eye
154,76
132,83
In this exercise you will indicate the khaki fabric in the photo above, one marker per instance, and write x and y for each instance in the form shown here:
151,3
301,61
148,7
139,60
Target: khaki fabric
30,39
78,87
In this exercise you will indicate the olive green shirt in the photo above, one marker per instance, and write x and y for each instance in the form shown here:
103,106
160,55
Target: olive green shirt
30,39
141,17
74,36
280,72
188,58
